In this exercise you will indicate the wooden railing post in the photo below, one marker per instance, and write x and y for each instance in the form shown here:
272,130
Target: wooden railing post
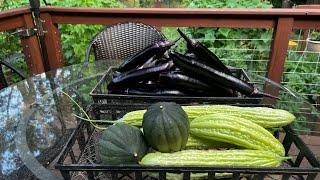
53,42
31,48
279,47
278,53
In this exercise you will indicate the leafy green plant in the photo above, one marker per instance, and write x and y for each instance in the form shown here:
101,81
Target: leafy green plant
301,74
228,4
75,38
315,36
234,45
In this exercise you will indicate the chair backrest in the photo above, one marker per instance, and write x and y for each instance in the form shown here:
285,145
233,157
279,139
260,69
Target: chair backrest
123,40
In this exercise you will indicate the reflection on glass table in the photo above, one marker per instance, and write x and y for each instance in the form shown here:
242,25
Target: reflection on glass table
36,118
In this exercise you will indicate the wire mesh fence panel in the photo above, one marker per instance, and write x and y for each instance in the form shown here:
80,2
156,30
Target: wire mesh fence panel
302,75
250,48
302,68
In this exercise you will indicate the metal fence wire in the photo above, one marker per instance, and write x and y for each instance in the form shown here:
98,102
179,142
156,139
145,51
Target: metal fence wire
250,48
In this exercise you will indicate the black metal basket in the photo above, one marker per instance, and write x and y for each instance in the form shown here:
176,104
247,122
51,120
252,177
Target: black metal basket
78,158
100,94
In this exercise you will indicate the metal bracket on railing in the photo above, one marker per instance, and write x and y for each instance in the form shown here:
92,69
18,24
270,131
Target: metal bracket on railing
25,32
34,7
28,32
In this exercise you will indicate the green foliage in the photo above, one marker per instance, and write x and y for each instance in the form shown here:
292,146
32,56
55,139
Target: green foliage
315,35
9,44
302,73
278,3
239,52
75,38
228,4
10,4
85,3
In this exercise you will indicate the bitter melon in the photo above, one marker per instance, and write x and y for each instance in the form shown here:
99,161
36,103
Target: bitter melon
235,130
264,116
200,143
234,158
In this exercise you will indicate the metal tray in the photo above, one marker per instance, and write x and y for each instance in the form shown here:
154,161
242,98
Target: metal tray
78,159
100,94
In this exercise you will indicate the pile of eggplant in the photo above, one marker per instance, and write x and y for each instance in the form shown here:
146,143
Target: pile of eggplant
159,71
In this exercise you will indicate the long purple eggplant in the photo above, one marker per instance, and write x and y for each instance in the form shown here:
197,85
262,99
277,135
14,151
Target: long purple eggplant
133,77
159,92
154,62
191,85
149,63
204,54
209,75
143,56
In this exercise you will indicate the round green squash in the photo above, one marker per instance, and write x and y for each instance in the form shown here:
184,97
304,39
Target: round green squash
166,127
121,144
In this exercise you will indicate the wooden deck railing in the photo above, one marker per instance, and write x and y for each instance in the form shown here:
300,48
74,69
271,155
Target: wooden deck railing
283,21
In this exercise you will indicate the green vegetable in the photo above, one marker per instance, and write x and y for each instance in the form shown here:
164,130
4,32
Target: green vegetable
166,127
242,158
234,130
121,144
264,116
199,143
133,118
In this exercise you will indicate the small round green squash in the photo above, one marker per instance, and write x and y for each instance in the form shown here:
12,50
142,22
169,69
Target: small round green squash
121,144
166,127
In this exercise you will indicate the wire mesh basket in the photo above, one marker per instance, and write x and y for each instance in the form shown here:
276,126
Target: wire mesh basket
100,94
78,159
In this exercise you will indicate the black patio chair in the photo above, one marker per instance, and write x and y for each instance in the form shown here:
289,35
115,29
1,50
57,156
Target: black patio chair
122,40
6,63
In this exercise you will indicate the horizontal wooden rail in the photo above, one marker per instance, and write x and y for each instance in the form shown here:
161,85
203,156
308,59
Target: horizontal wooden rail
241,18
186,11
14,12
281,20
12,19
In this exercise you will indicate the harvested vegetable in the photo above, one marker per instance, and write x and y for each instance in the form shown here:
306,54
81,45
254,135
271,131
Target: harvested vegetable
204,54
121,144
160,92
124,80
192,85
202,144
263,116
234,158
166,127
235,130
143,56
212,76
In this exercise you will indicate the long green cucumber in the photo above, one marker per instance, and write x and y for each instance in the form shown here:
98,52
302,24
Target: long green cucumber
234,158
234,130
